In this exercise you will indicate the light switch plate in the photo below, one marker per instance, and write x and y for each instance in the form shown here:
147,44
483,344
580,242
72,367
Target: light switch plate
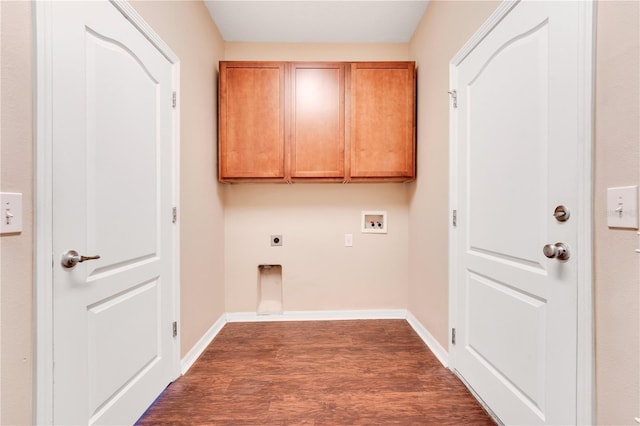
10,212
622,207
348,240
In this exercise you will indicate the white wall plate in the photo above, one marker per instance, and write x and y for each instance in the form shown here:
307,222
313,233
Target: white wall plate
622,207
10,212
374,222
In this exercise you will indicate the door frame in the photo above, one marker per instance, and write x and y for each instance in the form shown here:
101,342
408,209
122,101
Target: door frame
585,378
43,215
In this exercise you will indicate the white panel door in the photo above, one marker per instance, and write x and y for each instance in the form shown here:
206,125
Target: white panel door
517,136
114,350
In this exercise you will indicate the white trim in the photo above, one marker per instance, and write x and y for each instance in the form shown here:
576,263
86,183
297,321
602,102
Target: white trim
43,236
429,340
585,377
194,353
493,20
317,315
132,16
585,368
43,265
176,203
453,197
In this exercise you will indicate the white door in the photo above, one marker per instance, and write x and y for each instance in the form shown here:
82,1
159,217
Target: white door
516,135
112,132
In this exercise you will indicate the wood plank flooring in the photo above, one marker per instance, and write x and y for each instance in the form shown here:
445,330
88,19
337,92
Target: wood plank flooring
317,373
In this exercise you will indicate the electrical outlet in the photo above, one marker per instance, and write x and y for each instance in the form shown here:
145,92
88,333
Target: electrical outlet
276,240
348,240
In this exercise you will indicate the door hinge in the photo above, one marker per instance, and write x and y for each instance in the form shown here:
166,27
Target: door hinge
174,100
174,215
453,336
454,217
175,329
454,97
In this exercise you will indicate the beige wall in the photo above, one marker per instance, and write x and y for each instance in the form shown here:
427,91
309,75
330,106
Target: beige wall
432,47
411,258
617,156
319,273
188,29
16,251
316,52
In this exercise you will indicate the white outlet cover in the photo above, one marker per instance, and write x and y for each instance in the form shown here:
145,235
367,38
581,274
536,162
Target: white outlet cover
622,207
348,240
10,212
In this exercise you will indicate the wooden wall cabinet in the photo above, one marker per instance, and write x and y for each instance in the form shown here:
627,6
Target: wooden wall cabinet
382,135
319,121
251,125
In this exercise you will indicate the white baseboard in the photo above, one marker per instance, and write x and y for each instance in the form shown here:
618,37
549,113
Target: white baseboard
429,340
208,337
202,344
317,315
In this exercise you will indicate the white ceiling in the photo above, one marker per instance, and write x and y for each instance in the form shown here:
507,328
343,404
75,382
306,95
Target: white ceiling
318,21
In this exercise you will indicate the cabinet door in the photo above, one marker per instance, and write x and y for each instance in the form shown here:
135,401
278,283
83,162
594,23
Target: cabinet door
252,120
317,123
383,120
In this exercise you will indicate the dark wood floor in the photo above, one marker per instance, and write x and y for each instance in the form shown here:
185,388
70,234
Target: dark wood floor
317,373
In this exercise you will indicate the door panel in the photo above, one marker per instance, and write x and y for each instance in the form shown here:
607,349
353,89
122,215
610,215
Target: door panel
110,336
113,176
121,91
514,75
517,148
517,319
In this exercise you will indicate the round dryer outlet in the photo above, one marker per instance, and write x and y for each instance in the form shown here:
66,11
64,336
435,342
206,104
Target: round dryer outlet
276,240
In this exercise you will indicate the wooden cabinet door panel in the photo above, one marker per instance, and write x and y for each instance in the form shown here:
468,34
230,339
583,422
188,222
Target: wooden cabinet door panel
382,120
318,116
252,120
